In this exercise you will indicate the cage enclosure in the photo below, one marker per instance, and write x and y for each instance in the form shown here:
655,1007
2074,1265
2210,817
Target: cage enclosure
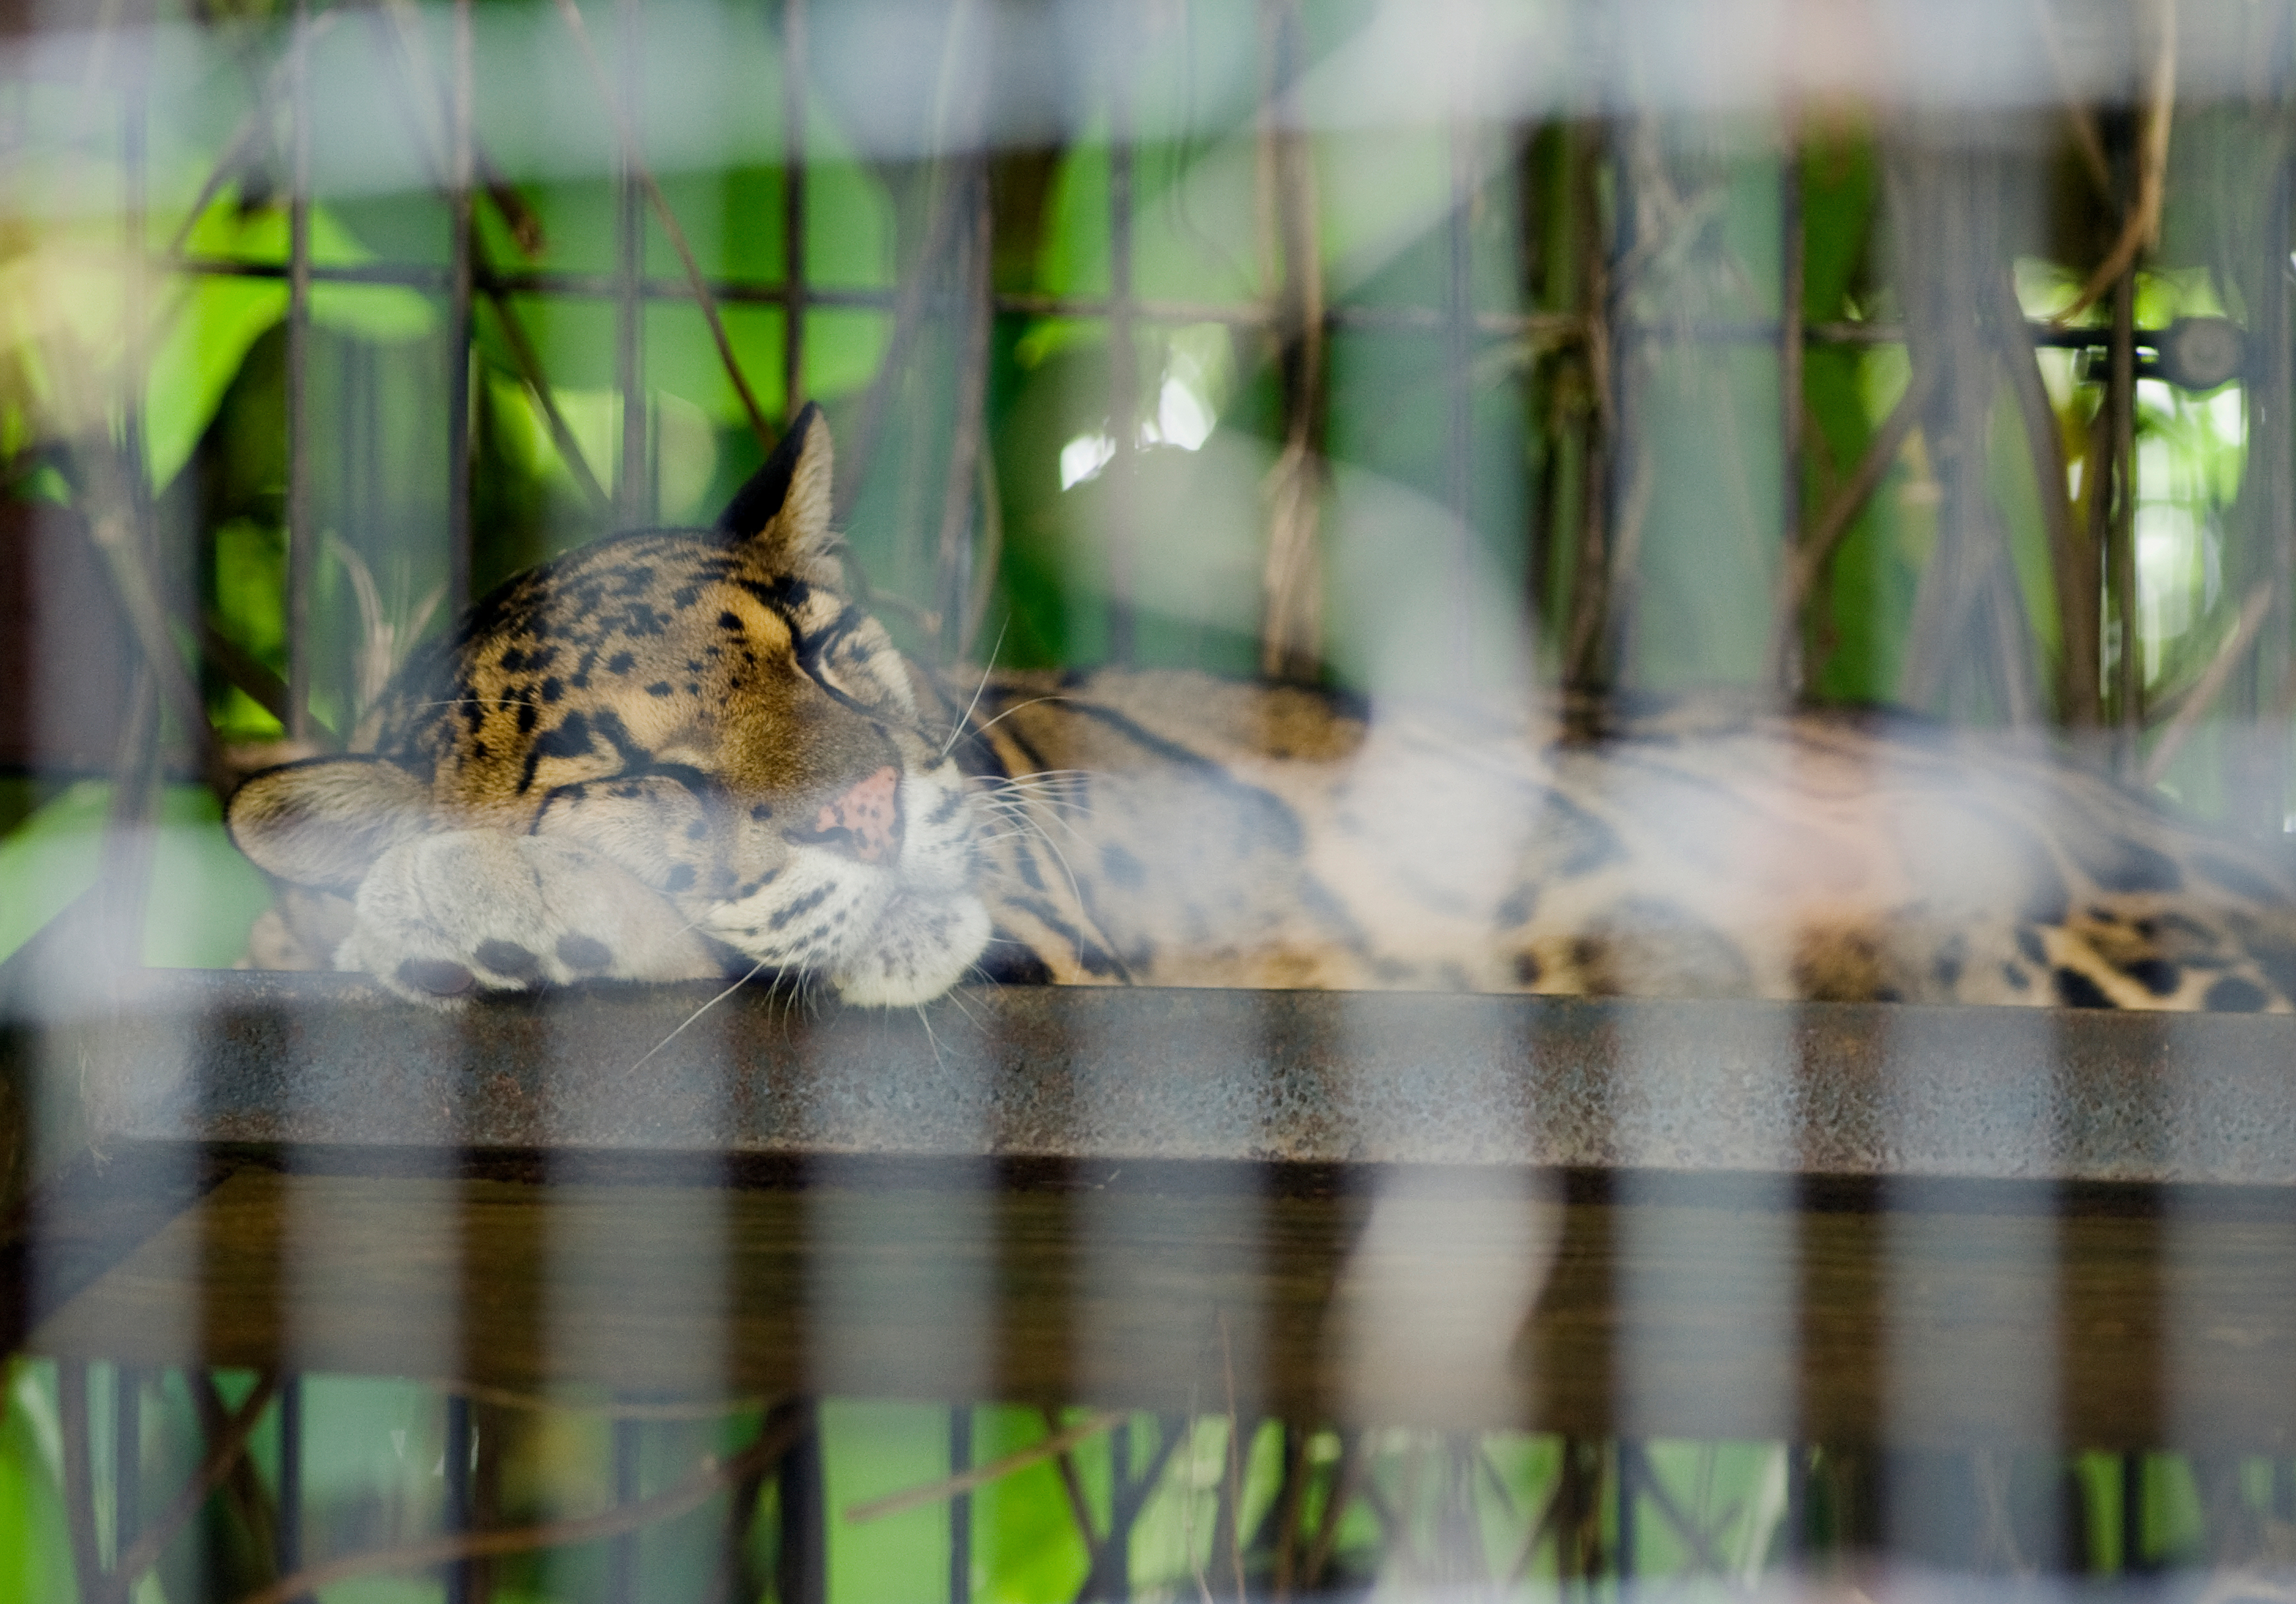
1585,355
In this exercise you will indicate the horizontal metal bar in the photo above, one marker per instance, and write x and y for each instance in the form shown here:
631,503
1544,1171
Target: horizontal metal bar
1839,1088
1542,328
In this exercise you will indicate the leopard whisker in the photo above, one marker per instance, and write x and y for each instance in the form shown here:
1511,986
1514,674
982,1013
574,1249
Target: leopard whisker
986,669
697,1013
1016,707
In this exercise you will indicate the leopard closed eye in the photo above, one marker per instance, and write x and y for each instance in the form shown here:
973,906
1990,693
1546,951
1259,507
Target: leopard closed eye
686,753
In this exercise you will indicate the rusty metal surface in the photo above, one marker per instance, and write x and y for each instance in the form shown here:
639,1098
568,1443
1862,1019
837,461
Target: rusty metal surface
1390,1077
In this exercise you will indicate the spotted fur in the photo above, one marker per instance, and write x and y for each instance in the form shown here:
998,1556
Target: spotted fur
682,754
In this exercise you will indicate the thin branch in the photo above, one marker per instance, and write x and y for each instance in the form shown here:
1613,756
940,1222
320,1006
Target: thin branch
2253,610
2086,140
1808,559
689,1494
1079,1505
1699,1540
2141,229
225,1447
628,137
1129,1496
996,1469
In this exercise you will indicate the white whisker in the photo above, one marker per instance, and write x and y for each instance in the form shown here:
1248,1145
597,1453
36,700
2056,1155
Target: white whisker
697,1013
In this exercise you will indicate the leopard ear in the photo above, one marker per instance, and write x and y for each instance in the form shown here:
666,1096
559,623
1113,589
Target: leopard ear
784,507
324,822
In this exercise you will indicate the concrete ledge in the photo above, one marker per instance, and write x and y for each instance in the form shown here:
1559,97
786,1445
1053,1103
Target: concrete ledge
1835,1089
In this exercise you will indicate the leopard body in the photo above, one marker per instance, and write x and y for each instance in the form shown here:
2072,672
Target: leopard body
686,753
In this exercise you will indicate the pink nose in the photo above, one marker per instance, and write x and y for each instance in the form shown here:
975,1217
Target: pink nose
868,817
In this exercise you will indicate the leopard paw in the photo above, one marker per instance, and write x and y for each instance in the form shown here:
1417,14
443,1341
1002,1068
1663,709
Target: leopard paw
447,916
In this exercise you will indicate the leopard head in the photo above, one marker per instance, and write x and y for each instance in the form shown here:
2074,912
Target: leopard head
705,716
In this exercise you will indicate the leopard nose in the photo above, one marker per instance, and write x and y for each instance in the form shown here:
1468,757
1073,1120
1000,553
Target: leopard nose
865,822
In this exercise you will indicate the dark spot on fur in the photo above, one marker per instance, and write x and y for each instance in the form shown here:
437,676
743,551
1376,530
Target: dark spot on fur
1645,946
1945,968
2047,901
570,739
2157,975
512,661
684,596
437,976
2016,976
2117,863
1120,866
508,958
620,662
527,715
680,879
1513,911
1526,968
2234,876
552,688
803,905
2234,995
1012,963
2103,916
585,952
660,687
2078,990
730,621
1568,840
2029,942
1838,964
761,810
697,829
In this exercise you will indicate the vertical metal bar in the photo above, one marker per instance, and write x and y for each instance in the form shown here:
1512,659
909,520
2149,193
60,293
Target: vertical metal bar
960,1507
134,170
1793,247
126,1459
460,1574
2259,787
303,539
1627,1458
1797,1515
460,164
290,1532
80,1478
622,1587
960,489
1458,354
2132,1515
802,1508
794,183
629,271
1123,358
2130,671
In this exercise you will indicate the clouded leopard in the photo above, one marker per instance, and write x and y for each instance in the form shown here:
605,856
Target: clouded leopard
680,753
